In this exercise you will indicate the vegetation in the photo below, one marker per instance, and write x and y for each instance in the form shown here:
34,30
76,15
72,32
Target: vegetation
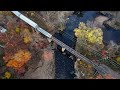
90,44
20,43
84,70
118,59
91,35
19,59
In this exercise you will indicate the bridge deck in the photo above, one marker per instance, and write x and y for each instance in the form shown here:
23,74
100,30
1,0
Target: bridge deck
99,68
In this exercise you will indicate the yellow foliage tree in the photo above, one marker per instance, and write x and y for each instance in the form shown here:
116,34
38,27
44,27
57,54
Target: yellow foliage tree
91,35
26,35
118,59
17,30
7,75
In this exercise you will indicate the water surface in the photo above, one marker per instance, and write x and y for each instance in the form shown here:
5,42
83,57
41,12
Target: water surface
64,65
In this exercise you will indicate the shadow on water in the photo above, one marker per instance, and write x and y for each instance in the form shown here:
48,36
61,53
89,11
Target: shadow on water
64,65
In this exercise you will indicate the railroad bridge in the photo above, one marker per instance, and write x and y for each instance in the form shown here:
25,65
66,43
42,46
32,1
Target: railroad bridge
98,67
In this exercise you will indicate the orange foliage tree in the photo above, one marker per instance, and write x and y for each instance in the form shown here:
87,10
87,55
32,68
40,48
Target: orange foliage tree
19,59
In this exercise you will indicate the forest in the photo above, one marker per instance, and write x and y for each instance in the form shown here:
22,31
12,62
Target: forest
27,53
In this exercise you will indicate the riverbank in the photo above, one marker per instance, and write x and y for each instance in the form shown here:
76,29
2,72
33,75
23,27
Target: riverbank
114,21
96,22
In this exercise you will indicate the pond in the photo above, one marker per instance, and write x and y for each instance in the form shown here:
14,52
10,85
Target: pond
65,65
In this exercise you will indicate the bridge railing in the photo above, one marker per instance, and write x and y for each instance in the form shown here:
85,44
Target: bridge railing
90,61
94,55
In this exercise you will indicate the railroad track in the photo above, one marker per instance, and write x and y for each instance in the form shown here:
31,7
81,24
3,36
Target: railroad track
99,68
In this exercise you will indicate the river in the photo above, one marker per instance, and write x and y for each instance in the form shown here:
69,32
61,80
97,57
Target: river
65,65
